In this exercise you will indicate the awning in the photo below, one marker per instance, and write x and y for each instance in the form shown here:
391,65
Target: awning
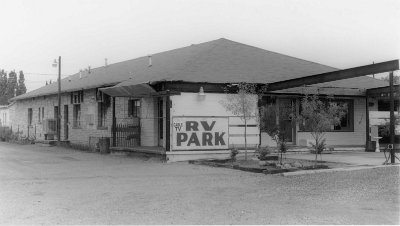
137,90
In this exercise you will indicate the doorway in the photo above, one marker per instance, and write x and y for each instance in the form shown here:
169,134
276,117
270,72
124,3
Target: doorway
66,122
286,122
160,121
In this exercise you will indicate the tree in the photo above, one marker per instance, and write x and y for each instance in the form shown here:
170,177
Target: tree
21,89
317,117
12,85
243,103
3,87
269,123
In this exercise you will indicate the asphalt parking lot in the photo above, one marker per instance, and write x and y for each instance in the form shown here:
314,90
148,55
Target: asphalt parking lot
52,185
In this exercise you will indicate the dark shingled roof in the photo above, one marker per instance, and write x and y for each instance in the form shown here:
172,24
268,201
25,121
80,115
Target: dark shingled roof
218,61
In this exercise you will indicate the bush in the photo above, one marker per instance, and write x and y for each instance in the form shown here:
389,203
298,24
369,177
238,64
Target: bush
5,133
319,147
234,152
263,153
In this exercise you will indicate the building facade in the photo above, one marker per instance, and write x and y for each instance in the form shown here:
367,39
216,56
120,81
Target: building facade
172,102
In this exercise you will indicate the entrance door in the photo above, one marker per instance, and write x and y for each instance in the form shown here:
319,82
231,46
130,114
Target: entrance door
66,122
286,123
160,121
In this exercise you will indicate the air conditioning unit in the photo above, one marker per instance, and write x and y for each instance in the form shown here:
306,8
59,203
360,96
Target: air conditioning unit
50,126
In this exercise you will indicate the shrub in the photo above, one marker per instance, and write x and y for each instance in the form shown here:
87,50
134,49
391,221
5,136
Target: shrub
263,153
234,152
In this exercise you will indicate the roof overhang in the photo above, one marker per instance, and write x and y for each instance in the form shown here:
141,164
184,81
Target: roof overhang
137,90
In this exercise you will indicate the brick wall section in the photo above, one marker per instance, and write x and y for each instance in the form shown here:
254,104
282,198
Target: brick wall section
19,117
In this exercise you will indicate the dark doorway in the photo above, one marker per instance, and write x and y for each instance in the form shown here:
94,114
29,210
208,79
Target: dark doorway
160,115
66,121
286,107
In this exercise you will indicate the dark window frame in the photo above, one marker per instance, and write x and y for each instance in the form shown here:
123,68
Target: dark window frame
101,115
134,107
349,117
30,116
76,116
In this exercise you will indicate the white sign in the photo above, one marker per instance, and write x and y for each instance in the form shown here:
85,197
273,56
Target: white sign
200,133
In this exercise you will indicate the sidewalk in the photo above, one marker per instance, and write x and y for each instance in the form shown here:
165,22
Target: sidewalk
355,158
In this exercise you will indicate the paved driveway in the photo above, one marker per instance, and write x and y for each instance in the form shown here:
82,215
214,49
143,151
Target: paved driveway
48,185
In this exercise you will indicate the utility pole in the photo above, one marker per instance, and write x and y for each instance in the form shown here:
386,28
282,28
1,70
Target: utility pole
392,120
59,101
55,64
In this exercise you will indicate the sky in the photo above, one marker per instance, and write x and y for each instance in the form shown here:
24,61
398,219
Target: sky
338,33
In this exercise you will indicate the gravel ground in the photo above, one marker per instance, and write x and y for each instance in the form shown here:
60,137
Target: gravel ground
43,185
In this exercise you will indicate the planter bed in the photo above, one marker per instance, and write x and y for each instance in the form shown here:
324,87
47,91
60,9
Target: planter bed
253,165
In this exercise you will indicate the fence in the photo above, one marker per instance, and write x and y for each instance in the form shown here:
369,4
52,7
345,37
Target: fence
127,132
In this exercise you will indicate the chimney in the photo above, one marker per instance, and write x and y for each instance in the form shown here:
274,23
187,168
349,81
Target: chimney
80,74
105,62
88,69
150,63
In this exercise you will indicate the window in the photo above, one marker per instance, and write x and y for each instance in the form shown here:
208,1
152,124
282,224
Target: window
102,114
42,113
39,117
134,108
346,123
77,116
56,112
77,97
29,116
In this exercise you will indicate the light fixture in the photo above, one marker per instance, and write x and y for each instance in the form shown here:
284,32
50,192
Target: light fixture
201,92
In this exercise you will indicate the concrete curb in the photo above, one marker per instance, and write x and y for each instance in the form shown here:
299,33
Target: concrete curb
304,172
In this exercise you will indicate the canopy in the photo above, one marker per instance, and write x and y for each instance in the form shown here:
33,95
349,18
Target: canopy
134,90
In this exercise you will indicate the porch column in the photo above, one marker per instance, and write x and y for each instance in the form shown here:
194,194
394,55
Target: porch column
114,122
167,123
367,132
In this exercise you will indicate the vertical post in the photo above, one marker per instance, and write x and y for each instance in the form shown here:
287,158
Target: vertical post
59,101
392,159
367,132
167,123
114,121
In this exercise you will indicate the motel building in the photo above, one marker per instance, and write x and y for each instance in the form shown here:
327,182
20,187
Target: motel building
170,103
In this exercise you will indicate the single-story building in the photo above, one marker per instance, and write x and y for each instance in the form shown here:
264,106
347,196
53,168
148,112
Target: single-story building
4,116
171,102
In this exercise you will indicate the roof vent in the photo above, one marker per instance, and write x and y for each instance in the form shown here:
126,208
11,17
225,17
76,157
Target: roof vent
80,74
150,62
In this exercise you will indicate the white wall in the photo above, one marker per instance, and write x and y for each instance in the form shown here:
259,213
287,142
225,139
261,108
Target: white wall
357,137
191,104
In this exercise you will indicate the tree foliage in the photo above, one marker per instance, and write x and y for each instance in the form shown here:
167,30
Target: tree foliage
243,103
3,87
21,89
318,116
269,123
10,86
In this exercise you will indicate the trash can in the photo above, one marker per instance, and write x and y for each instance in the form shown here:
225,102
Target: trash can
104,145
371,146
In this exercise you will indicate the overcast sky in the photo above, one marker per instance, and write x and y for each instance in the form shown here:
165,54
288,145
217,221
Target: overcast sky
337,33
